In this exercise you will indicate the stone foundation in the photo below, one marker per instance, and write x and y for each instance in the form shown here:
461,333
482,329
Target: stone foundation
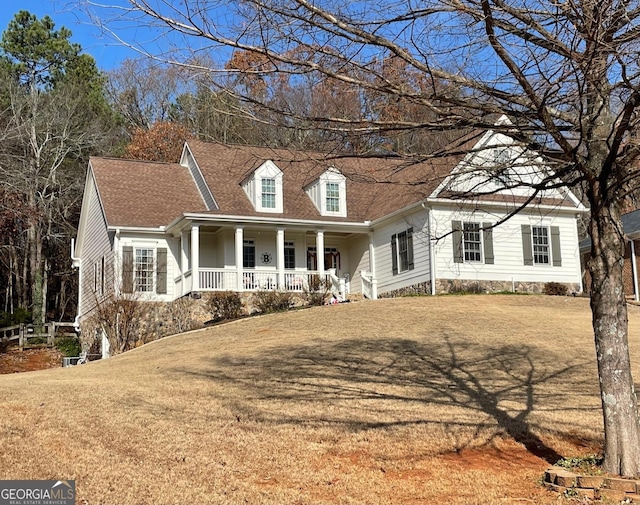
450,286
422,288
446,286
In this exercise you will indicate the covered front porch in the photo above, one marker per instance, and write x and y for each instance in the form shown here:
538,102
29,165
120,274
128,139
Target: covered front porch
220,257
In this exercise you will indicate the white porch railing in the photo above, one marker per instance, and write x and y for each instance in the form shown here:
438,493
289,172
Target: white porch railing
337,285
220,279
188,282
369,285
217,279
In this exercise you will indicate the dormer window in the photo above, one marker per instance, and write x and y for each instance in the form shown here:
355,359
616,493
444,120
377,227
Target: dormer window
268,193
333,197
264,188
329,193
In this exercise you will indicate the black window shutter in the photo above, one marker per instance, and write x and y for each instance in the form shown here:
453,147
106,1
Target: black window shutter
394,255
487,236
127,269
456,226
161,271
410,247
527,247
555,246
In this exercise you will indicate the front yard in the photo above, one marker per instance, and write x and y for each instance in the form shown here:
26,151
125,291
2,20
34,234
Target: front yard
451,399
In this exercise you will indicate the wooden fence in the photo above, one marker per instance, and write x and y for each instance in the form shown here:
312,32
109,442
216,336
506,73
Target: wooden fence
28,336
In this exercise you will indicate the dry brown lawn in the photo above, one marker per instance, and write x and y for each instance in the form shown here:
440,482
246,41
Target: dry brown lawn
456,399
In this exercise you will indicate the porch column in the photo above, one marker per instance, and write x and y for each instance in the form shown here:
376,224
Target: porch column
372,268
320,252
195,257
280,257
239,257
184,258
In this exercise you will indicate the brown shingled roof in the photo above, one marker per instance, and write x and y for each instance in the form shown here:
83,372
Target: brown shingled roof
143,193
149,194
376,186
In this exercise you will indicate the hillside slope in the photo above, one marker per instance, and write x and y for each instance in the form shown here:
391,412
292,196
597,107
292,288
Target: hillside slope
414,400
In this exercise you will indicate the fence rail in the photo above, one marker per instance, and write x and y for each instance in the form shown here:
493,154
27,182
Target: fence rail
28,336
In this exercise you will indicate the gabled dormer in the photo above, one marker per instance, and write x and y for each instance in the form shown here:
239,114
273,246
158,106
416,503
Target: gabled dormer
329,193
264,188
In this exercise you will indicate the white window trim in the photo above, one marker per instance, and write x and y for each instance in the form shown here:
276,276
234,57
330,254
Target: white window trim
154,267
548,246
331,175
253,187
464,243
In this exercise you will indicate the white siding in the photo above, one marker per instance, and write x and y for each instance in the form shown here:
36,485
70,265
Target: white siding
507,244
205,191
208,250
382,253
155,242
498,166
358,250
93,244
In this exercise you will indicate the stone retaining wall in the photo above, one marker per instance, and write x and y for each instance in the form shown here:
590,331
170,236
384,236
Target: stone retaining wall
594,487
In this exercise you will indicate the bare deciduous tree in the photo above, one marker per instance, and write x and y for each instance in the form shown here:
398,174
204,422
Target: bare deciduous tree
566,73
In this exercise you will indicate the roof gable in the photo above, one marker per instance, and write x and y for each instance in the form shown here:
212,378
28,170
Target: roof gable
496,168
90,201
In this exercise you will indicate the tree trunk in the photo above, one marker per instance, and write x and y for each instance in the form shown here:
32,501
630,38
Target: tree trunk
610,325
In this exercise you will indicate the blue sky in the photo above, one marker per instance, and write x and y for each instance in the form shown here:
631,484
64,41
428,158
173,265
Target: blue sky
107,53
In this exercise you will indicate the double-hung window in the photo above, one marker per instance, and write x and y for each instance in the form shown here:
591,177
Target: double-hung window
333,197
540,240
472,242
541,245
268,193
402,251
143,270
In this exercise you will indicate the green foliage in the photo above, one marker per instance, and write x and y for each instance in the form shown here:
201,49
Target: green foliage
272,301
69,346
19,316
555,289
582,464
224,305
36,52
317,292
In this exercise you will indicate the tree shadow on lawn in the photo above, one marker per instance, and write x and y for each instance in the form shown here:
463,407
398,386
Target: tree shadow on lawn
485,382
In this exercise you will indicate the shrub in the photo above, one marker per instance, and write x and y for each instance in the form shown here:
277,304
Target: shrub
69,346
471,288
272,301
317,292
555,289
19,316
224,305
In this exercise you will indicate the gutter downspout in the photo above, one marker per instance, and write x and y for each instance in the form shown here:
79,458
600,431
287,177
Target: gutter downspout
634,271
76,263
432,251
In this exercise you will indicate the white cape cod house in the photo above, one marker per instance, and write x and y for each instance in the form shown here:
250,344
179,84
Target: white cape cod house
247,218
